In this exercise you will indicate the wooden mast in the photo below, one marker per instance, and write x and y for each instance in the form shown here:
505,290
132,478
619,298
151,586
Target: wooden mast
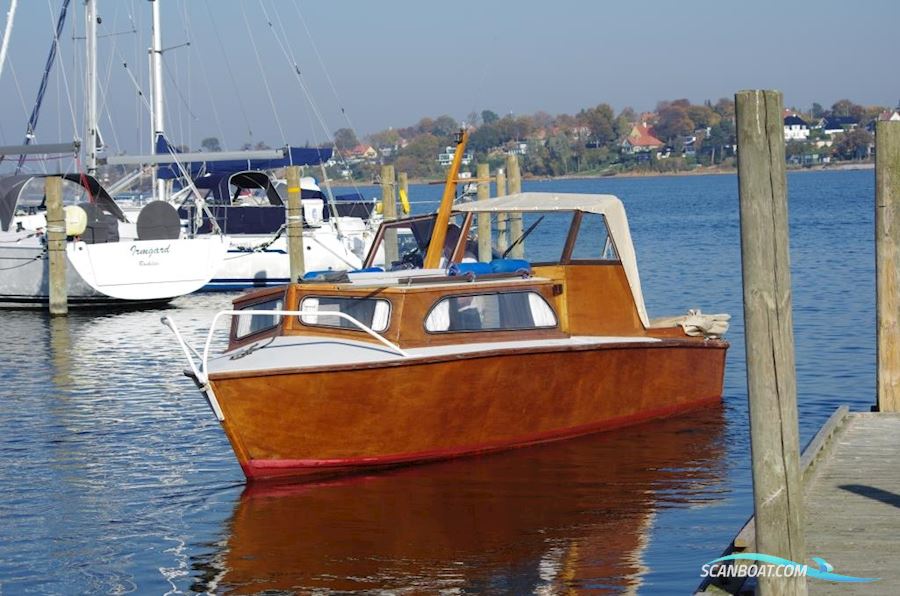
439,233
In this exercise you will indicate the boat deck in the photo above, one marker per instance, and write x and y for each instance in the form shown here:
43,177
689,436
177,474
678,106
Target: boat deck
852,496
317,351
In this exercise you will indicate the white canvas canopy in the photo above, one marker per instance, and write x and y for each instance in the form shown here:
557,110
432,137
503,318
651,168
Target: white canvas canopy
609,206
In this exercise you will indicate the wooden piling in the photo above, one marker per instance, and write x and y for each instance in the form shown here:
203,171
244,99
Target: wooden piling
887,263
403,189
295,224
483,173
56,246
389,212
502,218
516,226
769,336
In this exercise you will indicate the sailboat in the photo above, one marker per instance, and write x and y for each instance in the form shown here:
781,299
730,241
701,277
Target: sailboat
110,258
232,193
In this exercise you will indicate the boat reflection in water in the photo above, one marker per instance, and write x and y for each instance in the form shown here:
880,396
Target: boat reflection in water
569,515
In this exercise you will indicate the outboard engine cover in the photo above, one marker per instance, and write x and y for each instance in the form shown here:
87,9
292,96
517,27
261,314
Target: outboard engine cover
158,220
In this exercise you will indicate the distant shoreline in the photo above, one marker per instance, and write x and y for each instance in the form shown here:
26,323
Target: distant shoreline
695,172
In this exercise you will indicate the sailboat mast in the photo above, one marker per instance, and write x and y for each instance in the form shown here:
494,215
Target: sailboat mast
158,121
10,17
90,88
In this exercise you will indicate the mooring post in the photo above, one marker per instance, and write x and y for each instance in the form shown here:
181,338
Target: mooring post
887,262
769,335
56,246
389,211
483,173
295,224
403,189
516,227
502,218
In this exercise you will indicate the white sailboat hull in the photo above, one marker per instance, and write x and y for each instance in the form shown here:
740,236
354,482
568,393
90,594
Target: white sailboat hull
148,269
115,273
253,262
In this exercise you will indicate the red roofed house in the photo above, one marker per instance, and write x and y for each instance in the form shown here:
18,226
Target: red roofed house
640,139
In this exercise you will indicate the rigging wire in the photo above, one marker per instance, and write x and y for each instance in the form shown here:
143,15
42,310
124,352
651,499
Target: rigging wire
325,71
261,70
215,112
288,54
180,96
230,72
104,95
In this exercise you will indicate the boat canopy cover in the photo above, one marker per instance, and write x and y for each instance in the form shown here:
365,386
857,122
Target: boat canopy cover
220,183
609,206
11,188
296,156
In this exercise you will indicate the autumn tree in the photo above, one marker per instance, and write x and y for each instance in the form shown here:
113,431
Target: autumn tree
345,138
489,117
673,121
601,121
210,144
853,144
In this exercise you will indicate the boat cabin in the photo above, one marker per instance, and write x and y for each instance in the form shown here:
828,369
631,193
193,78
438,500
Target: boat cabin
253,202
584,283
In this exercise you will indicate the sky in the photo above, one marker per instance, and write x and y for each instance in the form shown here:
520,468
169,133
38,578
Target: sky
375,65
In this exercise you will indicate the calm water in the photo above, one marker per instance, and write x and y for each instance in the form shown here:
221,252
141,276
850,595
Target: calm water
117,478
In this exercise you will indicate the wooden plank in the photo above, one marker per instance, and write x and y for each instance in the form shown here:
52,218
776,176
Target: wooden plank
56,246
295,223
389,212
484,219
771,382
853,506
887,263
502,218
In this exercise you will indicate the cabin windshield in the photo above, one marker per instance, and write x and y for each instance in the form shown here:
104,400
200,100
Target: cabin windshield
552,238
402,244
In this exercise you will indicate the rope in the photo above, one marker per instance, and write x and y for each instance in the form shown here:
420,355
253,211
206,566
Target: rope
39,257
262,247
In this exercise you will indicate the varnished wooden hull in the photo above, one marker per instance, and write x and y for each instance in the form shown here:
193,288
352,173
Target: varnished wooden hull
324,422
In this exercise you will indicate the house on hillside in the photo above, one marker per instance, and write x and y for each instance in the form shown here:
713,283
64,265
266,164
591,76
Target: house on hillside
795,128
836,124
360,153
446,157
640,140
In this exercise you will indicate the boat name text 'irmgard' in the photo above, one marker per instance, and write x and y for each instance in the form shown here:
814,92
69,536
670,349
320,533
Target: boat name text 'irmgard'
149,252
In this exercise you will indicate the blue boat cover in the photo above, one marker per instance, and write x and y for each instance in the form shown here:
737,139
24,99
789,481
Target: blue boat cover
296,156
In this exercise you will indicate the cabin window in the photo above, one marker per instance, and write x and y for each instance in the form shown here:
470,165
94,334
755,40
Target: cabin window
543,238
491,312
250,324
593,242
371,312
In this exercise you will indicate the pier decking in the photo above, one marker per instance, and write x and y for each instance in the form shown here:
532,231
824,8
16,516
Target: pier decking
851,479
853,505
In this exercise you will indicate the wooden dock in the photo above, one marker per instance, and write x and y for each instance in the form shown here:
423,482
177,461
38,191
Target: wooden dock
851,481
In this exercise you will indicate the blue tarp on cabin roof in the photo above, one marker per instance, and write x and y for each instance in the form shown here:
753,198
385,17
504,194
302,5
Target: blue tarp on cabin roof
297,156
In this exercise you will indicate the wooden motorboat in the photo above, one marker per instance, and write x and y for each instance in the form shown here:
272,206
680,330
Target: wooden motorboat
378,368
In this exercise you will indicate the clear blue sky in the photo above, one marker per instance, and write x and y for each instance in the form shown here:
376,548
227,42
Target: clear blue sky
394,62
